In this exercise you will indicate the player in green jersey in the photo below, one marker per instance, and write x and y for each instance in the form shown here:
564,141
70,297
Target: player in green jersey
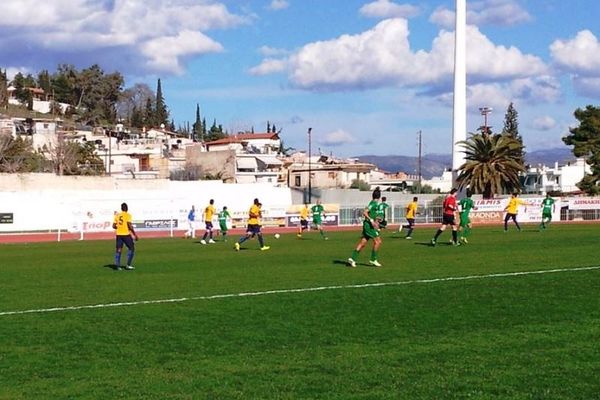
372,217
223,216
318,212
382,212
547,210
466,205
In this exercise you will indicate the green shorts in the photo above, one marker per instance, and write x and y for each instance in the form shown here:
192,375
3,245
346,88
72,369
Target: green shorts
368,231
547,214
223,226
464,219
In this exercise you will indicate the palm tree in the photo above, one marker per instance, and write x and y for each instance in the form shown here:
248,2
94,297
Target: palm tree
492,164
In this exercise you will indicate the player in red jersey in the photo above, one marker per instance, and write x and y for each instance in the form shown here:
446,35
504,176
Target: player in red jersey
449,218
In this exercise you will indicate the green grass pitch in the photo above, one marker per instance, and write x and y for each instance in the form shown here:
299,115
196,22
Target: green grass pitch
496,336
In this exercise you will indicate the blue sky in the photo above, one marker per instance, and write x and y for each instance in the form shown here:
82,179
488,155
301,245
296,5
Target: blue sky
365,75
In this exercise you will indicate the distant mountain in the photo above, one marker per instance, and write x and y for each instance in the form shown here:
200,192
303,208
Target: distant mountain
434,164
431,164
550,156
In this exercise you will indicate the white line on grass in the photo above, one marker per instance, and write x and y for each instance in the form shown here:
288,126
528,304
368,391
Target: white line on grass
298,290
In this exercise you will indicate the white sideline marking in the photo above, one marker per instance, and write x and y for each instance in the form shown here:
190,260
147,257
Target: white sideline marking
310,289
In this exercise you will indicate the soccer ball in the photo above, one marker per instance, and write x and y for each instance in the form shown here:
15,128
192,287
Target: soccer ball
277,236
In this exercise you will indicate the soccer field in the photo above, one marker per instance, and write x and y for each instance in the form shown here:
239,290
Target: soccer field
508,316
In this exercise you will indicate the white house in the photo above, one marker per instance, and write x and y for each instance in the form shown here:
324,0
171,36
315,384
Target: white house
256,156
560,178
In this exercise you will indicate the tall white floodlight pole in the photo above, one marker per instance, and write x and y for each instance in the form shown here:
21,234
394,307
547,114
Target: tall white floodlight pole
459,131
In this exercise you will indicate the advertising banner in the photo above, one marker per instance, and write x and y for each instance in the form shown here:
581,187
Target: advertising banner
585,203
331,217
492,210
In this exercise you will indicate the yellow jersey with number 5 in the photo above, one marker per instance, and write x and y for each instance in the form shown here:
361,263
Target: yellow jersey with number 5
121,220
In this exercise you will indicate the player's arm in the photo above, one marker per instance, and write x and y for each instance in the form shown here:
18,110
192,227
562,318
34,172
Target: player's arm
130,226
372,221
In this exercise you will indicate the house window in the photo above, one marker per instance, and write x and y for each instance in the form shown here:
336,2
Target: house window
297,181
331,175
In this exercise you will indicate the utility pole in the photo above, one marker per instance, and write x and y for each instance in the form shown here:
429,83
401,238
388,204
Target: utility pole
420,143
309,167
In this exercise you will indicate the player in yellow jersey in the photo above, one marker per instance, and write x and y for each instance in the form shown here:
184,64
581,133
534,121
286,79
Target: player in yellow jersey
512,209
209,211
253,228
124,231
303,220
411,213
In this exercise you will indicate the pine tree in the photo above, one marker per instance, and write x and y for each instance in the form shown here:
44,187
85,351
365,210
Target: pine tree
148,116
511,128
161,114
197,127
511,125
3,89
136,118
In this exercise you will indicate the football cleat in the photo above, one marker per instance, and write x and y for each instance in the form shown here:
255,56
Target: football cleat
203,241
351,262
375,263
130,267
265,248
211,241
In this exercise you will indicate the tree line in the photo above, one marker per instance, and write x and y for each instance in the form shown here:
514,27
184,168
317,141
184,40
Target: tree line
96,98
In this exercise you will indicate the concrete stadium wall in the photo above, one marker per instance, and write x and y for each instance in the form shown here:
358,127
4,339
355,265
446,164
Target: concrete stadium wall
39,202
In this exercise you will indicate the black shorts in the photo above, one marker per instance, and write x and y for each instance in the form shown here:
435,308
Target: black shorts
448,219
253,229
126,240
209,226
411,222
304,223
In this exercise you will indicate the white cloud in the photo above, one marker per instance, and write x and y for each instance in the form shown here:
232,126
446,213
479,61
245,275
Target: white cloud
269,66
382,57
589,87
541,89
544,123
482,13
388,9
279,4
165,53
494,95
115,30
579,55
12,71
336,138
443,18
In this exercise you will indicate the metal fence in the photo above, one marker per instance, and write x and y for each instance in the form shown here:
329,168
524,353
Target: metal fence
428,214
432,214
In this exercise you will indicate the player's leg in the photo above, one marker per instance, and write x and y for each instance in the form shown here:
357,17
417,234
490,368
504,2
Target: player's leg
321,230
506,219
410,227
360,245
130,251
119,249
441,229
376,245
455,234
514,218
210,233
